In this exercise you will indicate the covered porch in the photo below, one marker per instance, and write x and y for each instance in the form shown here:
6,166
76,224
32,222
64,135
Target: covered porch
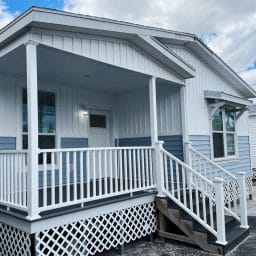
86,130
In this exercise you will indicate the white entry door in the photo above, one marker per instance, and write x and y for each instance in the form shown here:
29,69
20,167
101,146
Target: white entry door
100,129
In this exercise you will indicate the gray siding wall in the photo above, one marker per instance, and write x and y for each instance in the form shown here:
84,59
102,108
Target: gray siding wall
7,143
173,143
241,164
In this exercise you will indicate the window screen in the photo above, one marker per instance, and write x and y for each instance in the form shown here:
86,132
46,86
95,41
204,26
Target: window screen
98,121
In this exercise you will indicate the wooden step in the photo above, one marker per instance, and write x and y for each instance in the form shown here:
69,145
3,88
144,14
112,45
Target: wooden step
193,232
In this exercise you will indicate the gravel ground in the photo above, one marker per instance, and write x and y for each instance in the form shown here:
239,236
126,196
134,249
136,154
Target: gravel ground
172,248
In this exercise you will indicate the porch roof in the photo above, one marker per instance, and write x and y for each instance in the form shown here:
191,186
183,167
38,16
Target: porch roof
63,68
64,21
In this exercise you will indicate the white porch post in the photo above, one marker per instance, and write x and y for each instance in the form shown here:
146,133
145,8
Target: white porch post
221,228
158,145
153,110
32,103
242,198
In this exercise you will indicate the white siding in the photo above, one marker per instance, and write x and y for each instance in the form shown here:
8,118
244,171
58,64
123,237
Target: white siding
134,112
205,79
112,51
9,99
70,122
252,129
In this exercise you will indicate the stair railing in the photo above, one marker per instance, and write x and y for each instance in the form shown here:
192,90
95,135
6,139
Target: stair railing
234,187
199,197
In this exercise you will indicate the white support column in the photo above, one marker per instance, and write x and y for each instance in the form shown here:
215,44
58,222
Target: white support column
243,203
153,111
184,122
159,168
221,228
32,103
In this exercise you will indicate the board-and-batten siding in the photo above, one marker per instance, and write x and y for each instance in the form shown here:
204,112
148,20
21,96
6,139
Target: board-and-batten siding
241,164
72,123
133,112
205,79
9,110
172,144
252,132
112,51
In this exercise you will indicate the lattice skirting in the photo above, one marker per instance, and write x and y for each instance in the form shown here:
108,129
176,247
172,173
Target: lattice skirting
14,242
96,234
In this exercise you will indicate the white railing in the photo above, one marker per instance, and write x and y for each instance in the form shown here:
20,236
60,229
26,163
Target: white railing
73,176
13,179
201,198
212,170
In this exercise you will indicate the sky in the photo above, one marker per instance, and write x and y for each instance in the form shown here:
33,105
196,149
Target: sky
227,27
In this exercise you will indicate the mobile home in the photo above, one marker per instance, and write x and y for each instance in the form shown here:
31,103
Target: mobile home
109,129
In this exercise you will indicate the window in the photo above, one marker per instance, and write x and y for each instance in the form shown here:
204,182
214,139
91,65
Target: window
98,121
223,133
46,122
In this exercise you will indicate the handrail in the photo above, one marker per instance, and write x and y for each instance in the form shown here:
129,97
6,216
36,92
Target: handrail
13,151
56,150
212,163
188,167
231,184
188,188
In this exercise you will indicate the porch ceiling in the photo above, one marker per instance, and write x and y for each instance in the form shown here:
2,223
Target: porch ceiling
73,70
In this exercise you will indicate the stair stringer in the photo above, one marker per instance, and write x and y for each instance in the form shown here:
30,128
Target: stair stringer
186,226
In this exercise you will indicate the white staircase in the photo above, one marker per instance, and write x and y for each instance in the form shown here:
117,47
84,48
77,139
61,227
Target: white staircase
202,194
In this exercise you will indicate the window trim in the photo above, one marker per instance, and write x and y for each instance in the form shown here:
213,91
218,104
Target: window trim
224,132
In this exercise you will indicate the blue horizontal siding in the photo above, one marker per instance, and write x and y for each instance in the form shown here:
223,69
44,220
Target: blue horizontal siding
7,143
173,144
242,163
202,144
74,142
67,143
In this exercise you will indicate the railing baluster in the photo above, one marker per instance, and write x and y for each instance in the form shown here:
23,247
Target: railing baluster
121,170
18,179
134,169
177,179
44,179
1,178
111,154
75,175
125,171
151,168
81,175
105,173
68,177
166,173
94,172
130,168
172,178
147,169
88,174
142,156
115,170
60,178
53,177
139,168
100,172
184,187
24,181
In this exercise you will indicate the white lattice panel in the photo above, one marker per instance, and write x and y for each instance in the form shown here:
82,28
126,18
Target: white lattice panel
92,235
14,242
231,189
